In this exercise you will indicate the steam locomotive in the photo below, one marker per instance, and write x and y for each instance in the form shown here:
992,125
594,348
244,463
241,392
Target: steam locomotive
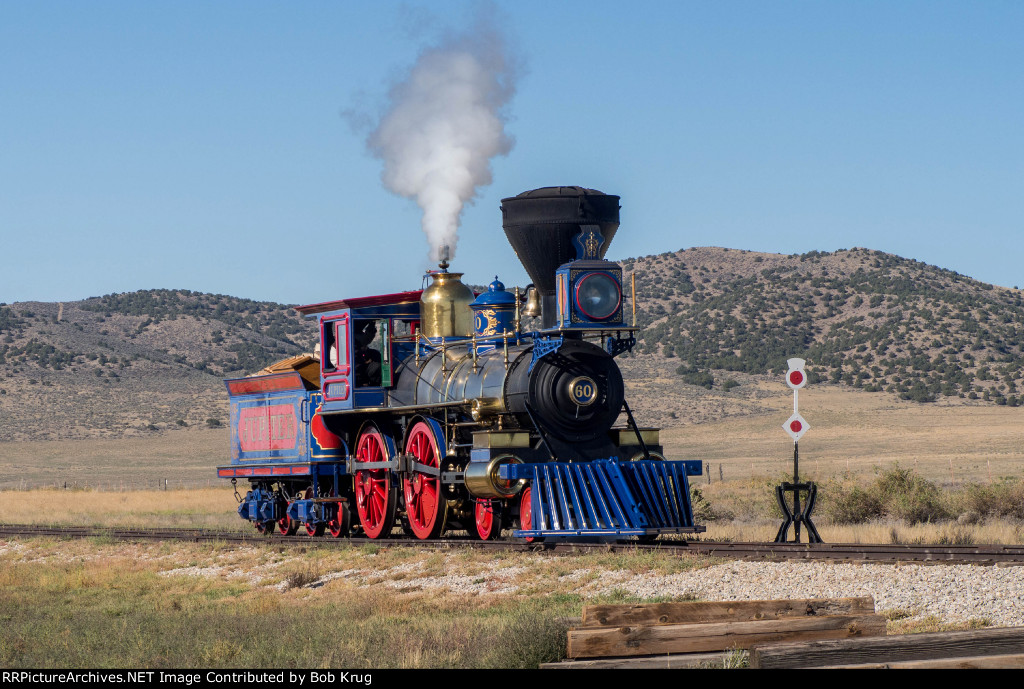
437,410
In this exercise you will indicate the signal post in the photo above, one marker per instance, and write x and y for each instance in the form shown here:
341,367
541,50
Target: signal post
796,426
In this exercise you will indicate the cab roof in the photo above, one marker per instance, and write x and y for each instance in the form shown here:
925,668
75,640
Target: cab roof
361,302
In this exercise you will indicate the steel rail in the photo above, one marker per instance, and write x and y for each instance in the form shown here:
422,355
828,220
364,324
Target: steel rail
991,554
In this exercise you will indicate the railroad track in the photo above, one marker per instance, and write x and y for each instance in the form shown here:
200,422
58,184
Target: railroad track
839,552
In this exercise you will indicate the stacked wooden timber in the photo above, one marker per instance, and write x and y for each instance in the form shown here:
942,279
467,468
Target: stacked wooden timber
997,647
673,634
818,633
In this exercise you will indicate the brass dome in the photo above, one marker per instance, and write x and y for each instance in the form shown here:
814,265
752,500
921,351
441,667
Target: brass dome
444,307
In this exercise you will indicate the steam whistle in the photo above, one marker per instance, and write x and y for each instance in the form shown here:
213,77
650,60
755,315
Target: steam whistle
446,255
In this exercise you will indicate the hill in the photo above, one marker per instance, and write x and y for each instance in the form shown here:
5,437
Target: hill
718,326
131,364
861,318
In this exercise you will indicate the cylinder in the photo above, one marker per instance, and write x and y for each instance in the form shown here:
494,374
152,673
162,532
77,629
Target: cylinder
482,480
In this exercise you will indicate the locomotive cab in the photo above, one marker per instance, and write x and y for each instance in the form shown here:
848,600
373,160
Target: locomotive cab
360,341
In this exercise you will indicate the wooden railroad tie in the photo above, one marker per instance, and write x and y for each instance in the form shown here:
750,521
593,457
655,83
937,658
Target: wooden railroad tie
996,647
700,627
820,633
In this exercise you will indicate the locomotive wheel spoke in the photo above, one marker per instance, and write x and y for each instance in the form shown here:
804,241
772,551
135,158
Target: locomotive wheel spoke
488,519
376,495
341,523
425,509
526,514
286,525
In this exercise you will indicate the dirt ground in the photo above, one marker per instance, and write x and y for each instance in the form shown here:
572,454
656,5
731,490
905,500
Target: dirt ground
849,431
853,431
186,456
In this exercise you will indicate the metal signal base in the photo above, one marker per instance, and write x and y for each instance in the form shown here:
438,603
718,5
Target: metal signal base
797,515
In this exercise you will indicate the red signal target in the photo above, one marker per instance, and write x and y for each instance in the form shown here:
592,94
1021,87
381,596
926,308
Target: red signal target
796,378
795,426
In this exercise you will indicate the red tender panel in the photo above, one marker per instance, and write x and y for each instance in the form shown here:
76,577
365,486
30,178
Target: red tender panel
248,386
273,427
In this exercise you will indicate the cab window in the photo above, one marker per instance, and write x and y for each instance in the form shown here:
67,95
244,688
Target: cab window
335,345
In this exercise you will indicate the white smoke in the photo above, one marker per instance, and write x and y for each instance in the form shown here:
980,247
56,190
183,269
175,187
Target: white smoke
443,124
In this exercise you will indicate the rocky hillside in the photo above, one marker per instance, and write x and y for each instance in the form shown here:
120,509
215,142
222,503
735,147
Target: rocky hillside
717,322
859,317
131,364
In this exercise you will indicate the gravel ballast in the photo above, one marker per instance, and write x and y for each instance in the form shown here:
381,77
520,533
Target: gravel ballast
952,593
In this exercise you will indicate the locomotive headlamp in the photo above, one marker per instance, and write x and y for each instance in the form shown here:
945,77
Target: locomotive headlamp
598,296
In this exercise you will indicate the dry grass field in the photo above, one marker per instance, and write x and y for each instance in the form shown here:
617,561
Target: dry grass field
189,508
850,432
854,432
181,456
97,603
854,436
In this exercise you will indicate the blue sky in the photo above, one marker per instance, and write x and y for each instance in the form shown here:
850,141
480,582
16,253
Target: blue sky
201,145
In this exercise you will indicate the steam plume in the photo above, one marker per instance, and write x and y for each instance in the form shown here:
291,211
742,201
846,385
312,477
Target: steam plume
443,125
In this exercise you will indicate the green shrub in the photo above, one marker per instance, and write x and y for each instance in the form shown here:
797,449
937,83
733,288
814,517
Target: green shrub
957,536
907,496
1008,499
701,378
896,493
850,505
531,637
1002,499
974,499
703,512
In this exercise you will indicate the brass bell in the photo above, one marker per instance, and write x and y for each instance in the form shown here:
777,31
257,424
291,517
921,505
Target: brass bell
533,306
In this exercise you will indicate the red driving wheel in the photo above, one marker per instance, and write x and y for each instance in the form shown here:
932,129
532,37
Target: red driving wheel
265,528
488,519
342,521
376,497
526,514
286,526
425,506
